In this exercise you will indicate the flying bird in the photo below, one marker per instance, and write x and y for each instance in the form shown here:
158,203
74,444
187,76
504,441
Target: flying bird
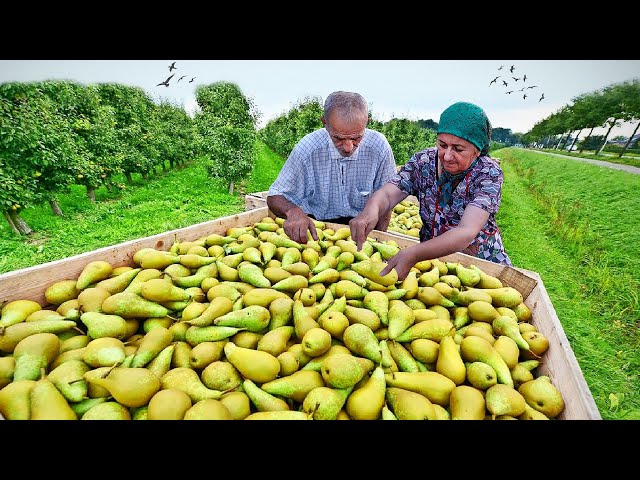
512,68
192,79
166,82
532,86
524,97
515,78
524,79
181,78
541,98
505,83
509,93
501,67
494,80
173,66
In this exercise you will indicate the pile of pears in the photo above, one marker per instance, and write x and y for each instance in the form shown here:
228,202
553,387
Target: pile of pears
405,219
251,325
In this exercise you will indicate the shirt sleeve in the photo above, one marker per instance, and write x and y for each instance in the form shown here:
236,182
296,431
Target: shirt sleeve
486,189
404,178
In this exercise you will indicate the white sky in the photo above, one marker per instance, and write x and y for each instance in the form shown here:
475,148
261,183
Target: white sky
413,89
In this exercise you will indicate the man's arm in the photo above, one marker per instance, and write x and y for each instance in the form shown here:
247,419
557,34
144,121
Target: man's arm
297,224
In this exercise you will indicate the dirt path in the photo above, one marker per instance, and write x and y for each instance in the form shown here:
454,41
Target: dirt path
616,166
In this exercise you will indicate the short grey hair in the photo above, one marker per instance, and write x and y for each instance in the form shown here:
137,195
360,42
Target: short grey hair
350,105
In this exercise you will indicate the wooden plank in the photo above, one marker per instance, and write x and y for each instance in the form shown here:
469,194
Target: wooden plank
559,363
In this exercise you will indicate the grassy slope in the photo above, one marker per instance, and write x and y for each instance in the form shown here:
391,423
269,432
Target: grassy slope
574,224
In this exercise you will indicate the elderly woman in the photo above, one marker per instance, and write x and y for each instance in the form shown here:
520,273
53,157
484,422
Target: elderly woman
459,188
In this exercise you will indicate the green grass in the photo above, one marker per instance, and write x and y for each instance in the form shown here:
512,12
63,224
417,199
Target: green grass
627,159
576,225
573,223
175,199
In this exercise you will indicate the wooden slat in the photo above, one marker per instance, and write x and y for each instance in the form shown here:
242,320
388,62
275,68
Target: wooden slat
559,362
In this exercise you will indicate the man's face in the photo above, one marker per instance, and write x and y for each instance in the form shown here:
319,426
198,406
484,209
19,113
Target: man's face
346,136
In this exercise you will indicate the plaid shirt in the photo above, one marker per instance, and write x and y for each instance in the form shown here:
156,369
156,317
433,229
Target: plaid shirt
322,183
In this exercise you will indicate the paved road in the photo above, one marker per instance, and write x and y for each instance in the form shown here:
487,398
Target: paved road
616,166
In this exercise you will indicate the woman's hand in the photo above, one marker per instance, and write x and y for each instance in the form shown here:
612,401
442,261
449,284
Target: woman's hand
402,262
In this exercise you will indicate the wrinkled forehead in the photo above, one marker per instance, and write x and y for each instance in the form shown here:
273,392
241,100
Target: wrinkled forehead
339,124
454,140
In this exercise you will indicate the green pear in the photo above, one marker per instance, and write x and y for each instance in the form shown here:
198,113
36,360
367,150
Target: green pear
429,278
15,402
508,350
59,292
481,311
13,334
468,276
90,299
221,375
92,273
255,365
47,403
213,333
424,350
532,414
263,400
104,352
216,308
238,404
208,409
295,386
467,403
7,367
408,405
131,387
118,284
278,415
434,329
366,402
477,349
161,290
130,305
204,353
503,297
344,370
378,303
84,405
316,341
281,312
541,395
400,318
34,353
302,319
503,399
386,413
168,404
433,385
156,259
151,345
505,325
17,311
275,341
450,363
402,357
486,280
430,296
253,318
361,340
187,380
466,297
68,378
109,410
325,403
481,375
315,363
101,325
371,270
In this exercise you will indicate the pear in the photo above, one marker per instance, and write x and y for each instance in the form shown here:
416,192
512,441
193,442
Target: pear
276,274
316,341
481,375
84,405
59,292
47,403
424,350
181,357
400,317
131,387
93,272
255,365
538,344
295,386
289,363
135,285
543,396
216,308
280,312
161,290
187,380
477,349
262,400
429,278
107,411
40,315
334,322
366,402
327,275
430,296
17,311
371,269
409,405
467,403
481,311
402,357
205,353
262,296
435,329
433,385
504,296
486,280
118,284
130,305
360,340
275,341
198,278
315,363
100,325
441,413
302,319
466,297
386,413
247,339
153,258
344,370
253,318
34,353
151,345
410,284
15,403
221,375
468,276
505,325
161,364
325,403
522,312
104,352
238,404
208,409
7,367
378,303
168,404
504,400
508,350
423,314
450,363
13,334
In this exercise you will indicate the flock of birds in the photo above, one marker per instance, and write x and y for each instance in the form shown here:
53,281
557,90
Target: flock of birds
173,67
516,80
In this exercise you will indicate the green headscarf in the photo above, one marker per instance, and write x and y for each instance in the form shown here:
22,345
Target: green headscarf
467,121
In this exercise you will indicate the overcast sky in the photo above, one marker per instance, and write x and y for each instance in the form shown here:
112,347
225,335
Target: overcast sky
413,89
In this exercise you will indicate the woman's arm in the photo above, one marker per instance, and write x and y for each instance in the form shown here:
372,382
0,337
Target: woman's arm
451,241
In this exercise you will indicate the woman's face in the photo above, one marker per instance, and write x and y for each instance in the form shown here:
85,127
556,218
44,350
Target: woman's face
454,153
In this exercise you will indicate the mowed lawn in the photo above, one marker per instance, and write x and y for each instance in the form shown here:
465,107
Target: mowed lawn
573,223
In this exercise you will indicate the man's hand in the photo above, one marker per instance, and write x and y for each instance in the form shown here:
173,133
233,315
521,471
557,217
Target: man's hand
361,226
297,225
402,262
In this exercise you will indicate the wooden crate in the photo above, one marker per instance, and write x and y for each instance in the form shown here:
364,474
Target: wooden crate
559,363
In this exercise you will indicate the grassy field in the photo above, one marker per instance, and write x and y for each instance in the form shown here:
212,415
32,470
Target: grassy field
627,159
571,222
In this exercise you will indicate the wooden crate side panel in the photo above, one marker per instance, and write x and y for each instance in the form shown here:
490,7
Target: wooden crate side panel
252,202
30,283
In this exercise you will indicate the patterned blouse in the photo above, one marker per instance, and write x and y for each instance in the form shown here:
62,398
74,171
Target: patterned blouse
481,187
